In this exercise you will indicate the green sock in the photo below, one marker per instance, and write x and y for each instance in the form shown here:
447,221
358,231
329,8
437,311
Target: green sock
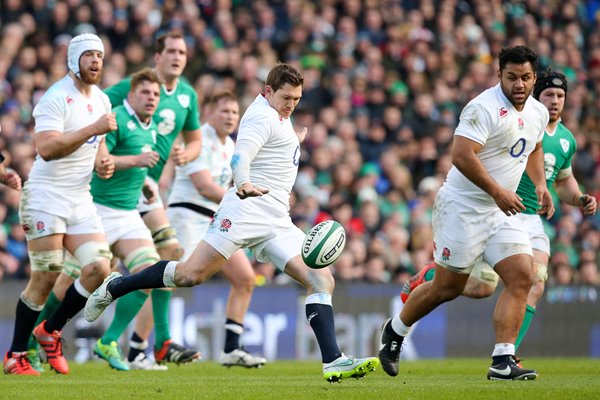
51,305
127,308
160,311
529,312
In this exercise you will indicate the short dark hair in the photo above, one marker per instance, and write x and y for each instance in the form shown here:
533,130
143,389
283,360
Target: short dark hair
221,94
159,45
549,79
282,74
518,55
143,75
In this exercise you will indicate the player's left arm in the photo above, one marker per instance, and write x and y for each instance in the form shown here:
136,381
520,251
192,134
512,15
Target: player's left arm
535,170
104,164
568,191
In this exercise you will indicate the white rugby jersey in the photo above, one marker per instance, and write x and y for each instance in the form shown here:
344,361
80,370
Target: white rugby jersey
276,164
507,135
64,109
214,157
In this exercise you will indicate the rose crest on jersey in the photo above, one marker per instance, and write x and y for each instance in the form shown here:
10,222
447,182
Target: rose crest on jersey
184,100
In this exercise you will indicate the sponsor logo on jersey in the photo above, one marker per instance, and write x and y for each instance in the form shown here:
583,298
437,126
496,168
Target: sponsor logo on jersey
503,112
130,125
70,100
564,143
184,100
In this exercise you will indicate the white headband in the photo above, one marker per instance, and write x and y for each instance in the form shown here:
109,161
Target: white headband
79,45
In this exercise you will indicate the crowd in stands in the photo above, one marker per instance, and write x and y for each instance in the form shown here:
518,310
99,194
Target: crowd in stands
385,82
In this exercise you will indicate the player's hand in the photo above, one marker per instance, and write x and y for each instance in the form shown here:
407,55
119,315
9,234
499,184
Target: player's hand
302,135
105,168
509,202
249,190
147,159
545,203
587,204
12,180
178,155
149,193
105,124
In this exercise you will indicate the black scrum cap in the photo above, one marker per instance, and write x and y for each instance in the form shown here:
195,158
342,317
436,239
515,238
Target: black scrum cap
549,79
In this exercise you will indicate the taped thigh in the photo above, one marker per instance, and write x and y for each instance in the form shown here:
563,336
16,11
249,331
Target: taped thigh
47,261
484,273
72,266
141,257
91,252
164,236
541,272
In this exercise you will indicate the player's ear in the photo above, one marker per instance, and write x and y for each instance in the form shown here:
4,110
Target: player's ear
268,90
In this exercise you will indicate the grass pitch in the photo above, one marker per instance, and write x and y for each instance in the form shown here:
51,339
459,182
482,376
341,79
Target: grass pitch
429,379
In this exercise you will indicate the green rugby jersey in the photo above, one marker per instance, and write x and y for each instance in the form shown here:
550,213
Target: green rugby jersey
123,189
558,153
177,111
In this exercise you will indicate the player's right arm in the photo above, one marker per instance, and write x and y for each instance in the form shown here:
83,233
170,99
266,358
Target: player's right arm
53,145
471,134
252,135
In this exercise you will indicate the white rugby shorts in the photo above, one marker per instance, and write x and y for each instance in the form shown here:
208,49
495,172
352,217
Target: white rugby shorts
122,224
261,224
45,212
465,233
534,226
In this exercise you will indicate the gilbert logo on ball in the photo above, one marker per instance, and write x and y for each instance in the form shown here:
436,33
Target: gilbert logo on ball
323,244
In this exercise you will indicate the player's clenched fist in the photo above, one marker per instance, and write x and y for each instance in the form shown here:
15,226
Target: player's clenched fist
147,159
105,167
179,155
104,124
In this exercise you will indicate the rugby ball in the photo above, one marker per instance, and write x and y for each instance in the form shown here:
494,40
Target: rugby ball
323,244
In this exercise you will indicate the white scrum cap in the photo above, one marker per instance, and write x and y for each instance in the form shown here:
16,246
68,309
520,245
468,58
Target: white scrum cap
79,45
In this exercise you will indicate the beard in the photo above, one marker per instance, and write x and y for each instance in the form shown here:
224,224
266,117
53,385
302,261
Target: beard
88,79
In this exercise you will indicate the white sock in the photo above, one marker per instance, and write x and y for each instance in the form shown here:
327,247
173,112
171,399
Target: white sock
169,274
504,349
399,327
80,289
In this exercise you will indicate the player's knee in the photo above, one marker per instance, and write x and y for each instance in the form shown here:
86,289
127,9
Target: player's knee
320,281
536,292
47,261
141,258
245,283
95,260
